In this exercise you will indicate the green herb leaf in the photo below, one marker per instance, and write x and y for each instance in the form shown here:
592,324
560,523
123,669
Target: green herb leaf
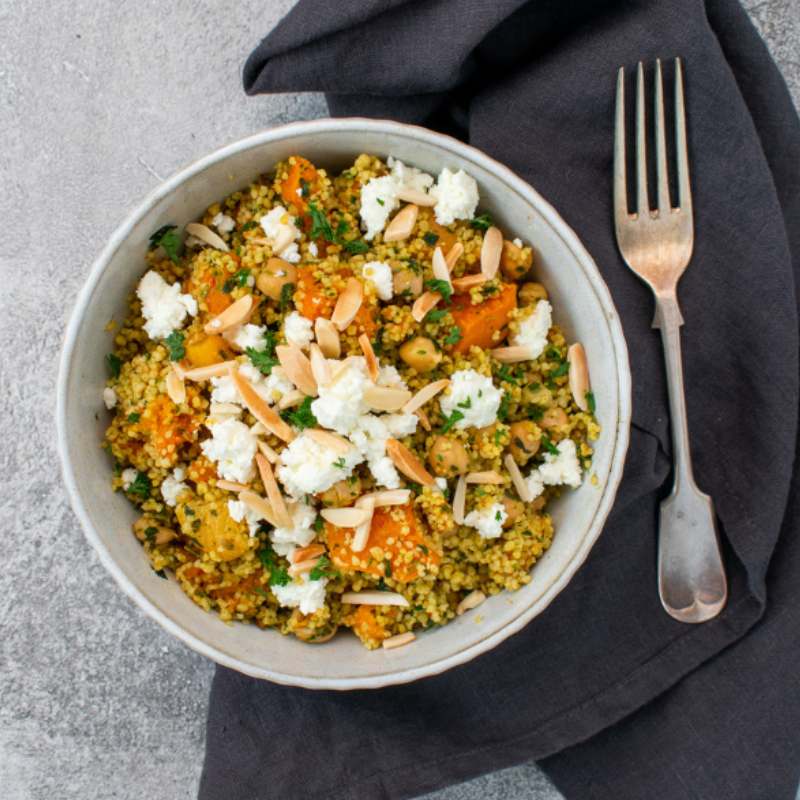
387,567
114,365
454,337
134,417
451,420
320,226
301,416
167,237
465,403
535,412
357,247
435,314
379,201
150,534
340,463
262,360
322,569
229,285
174,343
482,222
242,276
505,402
509,375
591,402
248,226
278,576
140,486
319,524
431,238
561,370
549,446
442,287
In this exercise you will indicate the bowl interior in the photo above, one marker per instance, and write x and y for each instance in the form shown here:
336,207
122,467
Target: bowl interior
582,307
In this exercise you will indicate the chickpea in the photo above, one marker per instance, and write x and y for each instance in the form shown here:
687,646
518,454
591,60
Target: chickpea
525,438
421,354
514,510
274,276
448,457
407,283
311,636
553,418
531,293
162,535
342,493
514,261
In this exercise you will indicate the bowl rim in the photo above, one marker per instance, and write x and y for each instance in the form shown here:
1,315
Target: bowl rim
568,237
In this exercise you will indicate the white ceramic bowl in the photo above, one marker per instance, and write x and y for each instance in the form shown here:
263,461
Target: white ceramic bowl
583,307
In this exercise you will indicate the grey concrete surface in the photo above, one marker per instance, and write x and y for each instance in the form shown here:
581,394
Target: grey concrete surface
98,101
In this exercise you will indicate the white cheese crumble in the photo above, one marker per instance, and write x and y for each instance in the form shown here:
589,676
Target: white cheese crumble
456,196
298,329
341,403
557,470
517,242
276,385
488,521
532,332
473,395
308,467
173,486
224,389
313,249
232,447
279,226
299,534
164,308
241,512
223,223
128,477
109,397
248,336
370,435
441,483
302,593
379,273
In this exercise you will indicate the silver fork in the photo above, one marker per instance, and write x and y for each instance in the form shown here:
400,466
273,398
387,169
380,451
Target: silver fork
657,246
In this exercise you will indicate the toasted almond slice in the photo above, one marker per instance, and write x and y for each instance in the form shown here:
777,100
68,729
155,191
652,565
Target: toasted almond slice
259,240
234,315
398,640
290,399
273,491
402,225
297,367
440,270
408,463
180,369
284,238
374,597
232,486
345,517
453,254
386,398
320,368
408,195
516,478
487,477
211,371
460,500
268,452
327,337
423,419
205,234
176,389
512,354
313,550
491,250
330,440
347,304
423,304
369,354
259,505
361,534
389,497
578,375
425,394
259,408
299,567
467,282
257,429
472,600
224,410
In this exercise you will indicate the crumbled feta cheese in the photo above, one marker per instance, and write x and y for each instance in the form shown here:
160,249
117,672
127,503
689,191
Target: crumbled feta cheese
473,395
276,385
241,512
488,521
517,242
128,477
249,336
563,468
173,486
164,308
441,483
409,177
341,403
109,397
389,376
535,484
380,274
291,253
299,534
302,593
298,329
456,196
232,447
313,249
370,436
308,467
533,329
279,227
223,223
224,389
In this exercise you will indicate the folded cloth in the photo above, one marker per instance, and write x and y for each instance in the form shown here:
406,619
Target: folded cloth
532,84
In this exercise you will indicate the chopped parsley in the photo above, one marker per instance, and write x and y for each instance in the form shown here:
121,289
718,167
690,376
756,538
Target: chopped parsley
301,416
414,266
442,287
549,446
319,524
454,337
498,515
140,486
174,343
431,238
278,576
435,314
150,534
322,569
305,188
320,226
229,285
379,201
134,417
451,420
590,402
356,247
168,238
340,463
287,291
535,412
509,375
114,365
250,224
465,403
387,568
262,360
561,370
482,222
502,411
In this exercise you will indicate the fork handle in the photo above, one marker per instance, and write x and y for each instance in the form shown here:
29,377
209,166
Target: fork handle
691,575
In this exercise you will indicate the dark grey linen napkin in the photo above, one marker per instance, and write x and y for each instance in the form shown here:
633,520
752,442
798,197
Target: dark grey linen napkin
532,84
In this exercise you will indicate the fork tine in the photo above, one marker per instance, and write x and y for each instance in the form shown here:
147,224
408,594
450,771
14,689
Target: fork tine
661,145
643,201
681,153
620,171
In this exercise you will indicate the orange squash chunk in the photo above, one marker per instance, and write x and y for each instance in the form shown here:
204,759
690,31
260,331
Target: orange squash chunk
299,170
478,323
365,625
165,430
315,303
202,350
446,239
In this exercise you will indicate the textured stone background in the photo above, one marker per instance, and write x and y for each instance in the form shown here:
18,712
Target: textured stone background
98,102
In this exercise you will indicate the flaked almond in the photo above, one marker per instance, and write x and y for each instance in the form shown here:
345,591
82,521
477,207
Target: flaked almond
423,304
440,270
345,517
373,367
374,598
512,354
260,505
310,636
467,282
579,376
176,389
453,254
232,486
268,452
205,234
234,315
330,440
402,225
389,497
460,500
362,531
386,398
180,369
425,394
327,337
516,478
297,367
314,550
299,567
273,491
419,198
491,250
472,600
290,399
423,419
224,410
260,410
487,477
320,368
283,239
408,463
398,640
348,304
211,371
